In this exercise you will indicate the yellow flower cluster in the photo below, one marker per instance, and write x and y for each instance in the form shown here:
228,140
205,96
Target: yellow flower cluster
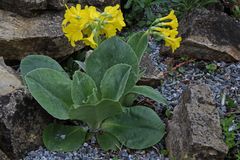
89,25
166,27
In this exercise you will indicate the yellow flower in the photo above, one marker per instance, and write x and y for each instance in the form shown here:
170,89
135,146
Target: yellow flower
173,24
170,16
174,43
167,32
88,24
90,14
90,41
73,32
72,15
113,20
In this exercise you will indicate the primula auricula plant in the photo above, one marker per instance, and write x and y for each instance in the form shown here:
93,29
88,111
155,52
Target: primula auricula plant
102,95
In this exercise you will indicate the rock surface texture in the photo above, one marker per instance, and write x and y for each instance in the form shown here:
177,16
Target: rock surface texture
194,133
30,8
9,80
99,3
152,74
209,35
21,119
3,155
20,36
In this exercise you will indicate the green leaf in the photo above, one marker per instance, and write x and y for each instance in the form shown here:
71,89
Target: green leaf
138,127
111,52
108,141
82,88
95,114
52,90
114,81
150,93
63,138
33,62
139,43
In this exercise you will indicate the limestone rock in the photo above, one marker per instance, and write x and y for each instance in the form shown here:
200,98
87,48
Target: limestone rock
21,118
20,36
30,8
209,35
8,79
194,133
152,74
22,121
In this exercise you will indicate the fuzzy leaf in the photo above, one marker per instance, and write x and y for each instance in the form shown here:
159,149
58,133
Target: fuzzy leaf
95,114
108,141
52,90
139,43
111,52
63,138
114,81
150,93
138,127
33,62
82,88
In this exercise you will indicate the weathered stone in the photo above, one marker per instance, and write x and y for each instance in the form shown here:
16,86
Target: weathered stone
57,4
3,155
194,133
209,35
21,36
30,8
22,121
8,79
152,74
99,3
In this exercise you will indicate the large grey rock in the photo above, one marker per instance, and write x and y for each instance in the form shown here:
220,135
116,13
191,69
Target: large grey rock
31,8
21,118
194,133
209,35
20,36
22,121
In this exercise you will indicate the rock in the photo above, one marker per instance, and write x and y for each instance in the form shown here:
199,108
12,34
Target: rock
20,36
3,155
209,35
57,4
194,131
30,8
152,74
21,119
8,79
99,3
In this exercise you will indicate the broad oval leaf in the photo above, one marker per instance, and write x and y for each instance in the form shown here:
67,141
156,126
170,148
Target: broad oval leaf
139,43
52,90
82,89
138,127
63,138
94,114
111,52
33,62
150,93
108,141
114,81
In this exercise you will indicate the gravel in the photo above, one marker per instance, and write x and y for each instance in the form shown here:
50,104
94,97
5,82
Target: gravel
224,83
